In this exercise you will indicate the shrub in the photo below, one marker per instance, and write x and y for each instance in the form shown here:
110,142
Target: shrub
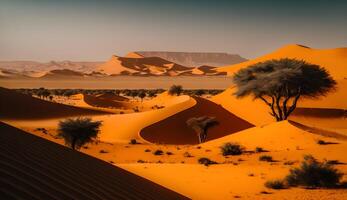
79,131
259,150
147,150
321,142
103,151
266,158
312,173
175,90
275,184
206,161
133,141
169,153
231,149
158,152
187,154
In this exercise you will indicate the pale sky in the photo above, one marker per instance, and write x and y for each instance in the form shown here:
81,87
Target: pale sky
91,30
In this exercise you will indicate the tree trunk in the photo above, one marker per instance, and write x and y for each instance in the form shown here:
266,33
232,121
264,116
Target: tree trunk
73,144
280,113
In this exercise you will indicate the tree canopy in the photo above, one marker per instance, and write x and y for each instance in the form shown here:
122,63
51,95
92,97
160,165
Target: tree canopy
281,83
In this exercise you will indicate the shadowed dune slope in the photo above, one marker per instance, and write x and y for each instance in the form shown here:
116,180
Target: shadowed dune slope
34,168
105,102
174,130
14,105
334,60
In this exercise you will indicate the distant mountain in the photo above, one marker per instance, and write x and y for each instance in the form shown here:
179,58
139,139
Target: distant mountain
194,59
33,66
136,65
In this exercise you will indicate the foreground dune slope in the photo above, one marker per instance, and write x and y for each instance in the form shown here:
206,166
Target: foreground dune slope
334,60
174,130
34,168
15,105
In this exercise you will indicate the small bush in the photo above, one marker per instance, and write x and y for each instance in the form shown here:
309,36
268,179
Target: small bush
147,150
231,149
158,152
187,154
206,161
169,153
312,173
321,142
103,151
275,184
133,141
140,161
259,150
266,158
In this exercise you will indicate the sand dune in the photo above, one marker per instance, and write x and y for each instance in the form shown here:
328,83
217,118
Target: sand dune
15,105
334,103
34,168
334,60
194,59
174,130
270,137
122,128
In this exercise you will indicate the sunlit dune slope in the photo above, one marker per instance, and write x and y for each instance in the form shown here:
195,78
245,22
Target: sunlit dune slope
122,128
15,105
174,130
271,137
34,168
257,113
140,66
334,60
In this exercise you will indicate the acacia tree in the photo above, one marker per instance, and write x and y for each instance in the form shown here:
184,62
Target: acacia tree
200,125
175,90
79,131
281,83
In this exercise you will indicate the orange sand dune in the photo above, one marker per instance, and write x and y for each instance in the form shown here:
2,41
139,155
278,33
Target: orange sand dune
98,101
257,113
244,175
271,137
174,130
15,105
334,60
134,55
34,168
112,97
140,66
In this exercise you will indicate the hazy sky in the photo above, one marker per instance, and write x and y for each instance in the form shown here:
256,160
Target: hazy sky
94,30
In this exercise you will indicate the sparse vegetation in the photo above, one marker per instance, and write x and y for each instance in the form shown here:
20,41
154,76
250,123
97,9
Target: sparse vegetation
259,150
158,152
313,173
103,151
206,161
266,158
79,131
200,125
175,90
133,141
147,150
187,155
284,81
231,149
275,184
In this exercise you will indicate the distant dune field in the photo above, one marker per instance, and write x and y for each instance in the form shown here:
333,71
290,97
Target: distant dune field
121,82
